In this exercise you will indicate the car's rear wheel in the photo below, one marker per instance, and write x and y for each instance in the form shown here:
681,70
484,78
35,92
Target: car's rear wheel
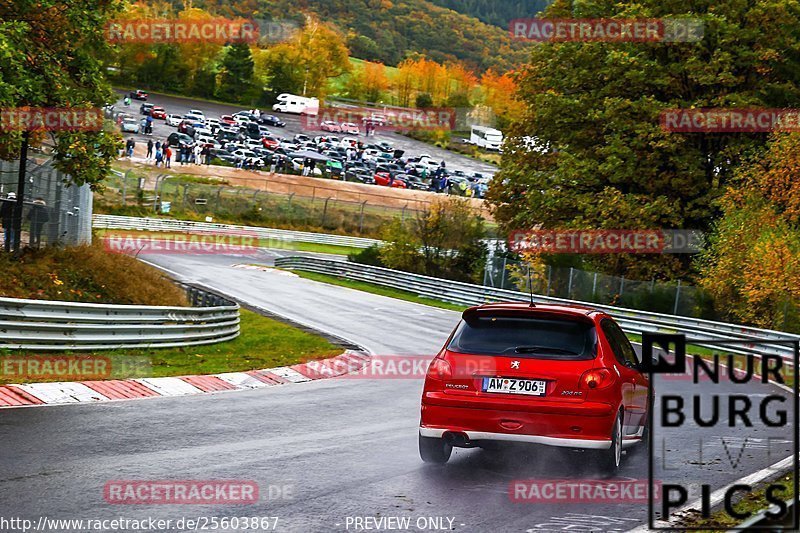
609,459
434,450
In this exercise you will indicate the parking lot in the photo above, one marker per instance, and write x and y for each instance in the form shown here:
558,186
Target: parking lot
294,125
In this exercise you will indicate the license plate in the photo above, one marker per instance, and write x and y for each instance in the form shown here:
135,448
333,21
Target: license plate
530,387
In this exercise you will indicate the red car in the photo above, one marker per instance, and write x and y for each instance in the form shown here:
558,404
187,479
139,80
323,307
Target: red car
138,94
383,178
556,375
227,119
158,112
270,143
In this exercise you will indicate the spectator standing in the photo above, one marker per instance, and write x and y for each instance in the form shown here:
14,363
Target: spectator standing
38,217
159,157
167,157
149,149
129,147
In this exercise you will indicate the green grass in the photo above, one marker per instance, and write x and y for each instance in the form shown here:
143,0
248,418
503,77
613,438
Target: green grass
753,502
379,290
263,343
267,243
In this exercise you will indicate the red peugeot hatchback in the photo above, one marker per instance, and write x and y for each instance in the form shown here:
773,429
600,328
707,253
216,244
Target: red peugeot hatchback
555,375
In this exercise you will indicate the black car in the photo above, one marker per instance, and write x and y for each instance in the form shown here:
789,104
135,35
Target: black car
413,182
179,139
222,154
272,120
138,94
359,174
146,108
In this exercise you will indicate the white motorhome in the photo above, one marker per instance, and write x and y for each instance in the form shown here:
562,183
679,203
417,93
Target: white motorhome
488,138
299,105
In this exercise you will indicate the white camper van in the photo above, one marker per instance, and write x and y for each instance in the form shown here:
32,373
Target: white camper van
488,138
299,105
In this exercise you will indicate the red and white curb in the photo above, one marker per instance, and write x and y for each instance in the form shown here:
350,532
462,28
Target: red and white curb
33,394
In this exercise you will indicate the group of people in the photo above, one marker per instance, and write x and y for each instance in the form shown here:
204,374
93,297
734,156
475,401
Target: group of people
37,217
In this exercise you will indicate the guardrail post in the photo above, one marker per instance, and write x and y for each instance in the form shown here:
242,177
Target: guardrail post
677,298
549,278
219,193
403,215
289,202
185,190
594,285
569,285
125,186
503,274
621,285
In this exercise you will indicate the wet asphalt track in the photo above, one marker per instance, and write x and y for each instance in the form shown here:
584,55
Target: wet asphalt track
345,447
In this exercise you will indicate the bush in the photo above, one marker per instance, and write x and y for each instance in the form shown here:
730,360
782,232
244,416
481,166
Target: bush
446,241
368,256
85,274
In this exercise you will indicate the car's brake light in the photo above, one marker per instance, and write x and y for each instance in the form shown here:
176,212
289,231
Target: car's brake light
597,378
440,370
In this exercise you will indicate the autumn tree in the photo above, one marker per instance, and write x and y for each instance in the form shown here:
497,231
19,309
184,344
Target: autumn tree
235,82
595,107
752,264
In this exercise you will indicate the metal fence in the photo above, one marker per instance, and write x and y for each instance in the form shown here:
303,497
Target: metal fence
677,297
272,237
279,200
50,325
632,321
56,213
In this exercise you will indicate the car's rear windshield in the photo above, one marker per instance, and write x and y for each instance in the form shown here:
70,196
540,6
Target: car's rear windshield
541,338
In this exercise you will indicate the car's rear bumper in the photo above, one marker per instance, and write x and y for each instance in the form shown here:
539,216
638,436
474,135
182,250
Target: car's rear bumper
587,425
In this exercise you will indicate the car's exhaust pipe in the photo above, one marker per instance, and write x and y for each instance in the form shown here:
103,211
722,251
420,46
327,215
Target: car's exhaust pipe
457,439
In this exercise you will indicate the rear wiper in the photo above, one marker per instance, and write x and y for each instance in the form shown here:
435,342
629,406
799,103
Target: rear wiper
543,349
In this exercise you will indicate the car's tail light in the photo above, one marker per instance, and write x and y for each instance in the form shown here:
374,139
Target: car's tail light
597,378
440,370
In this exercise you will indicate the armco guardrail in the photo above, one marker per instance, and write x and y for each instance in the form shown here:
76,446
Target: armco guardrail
44,325
114,222
632,321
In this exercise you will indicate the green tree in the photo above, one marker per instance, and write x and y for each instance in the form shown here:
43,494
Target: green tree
51,55
235,79
446,240
424,100
595,107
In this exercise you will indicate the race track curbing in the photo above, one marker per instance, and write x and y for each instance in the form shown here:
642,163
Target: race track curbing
63,393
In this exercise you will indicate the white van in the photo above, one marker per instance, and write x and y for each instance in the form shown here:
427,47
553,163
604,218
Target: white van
488,138
298,105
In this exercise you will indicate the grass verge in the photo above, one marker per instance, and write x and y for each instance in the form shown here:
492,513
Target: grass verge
752,503
127,240
263,343
379,290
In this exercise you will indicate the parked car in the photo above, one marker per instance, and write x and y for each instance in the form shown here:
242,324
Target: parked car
186,128
329,125
213,124
334,169
413,182
227,119
198,113
359,174
270,142
158,112
272,120
350,128
383,178
547,370
138,94
194,117
129,125
301,138
222,155
174,120
145,109
179,139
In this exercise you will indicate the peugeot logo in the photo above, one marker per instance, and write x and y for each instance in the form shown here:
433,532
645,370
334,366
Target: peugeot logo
514,364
